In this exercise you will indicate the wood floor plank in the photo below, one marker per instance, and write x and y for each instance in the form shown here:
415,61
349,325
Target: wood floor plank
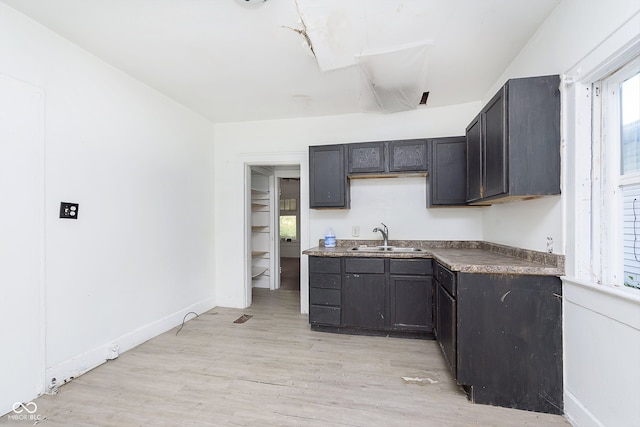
273,370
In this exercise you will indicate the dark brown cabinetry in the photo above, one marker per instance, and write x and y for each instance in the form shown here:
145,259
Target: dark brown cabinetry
446,314
364,293
388,157
447,182
366,157
328,184
410,295
371,294
513,145
501,335
325,291
408,156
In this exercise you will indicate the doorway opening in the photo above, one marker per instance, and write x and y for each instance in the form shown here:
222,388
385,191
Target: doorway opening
289,232
276,229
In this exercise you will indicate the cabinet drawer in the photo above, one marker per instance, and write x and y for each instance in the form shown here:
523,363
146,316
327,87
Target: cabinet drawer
364,265
319,296
324,315
446,278
414,267
324,265
326,281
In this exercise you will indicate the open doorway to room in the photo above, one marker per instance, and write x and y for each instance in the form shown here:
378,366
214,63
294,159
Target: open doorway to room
289,232
276,215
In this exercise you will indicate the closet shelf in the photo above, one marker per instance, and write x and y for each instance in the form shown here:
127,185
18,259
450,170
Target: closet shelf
260,228
258,253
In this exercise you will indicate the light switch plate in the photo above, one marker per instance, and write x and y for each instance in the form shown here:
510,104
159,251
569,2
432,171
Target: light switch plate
69,210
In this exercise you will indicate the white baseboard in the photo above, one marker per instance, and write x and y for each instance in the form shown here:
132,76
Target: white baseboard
72,368
577,414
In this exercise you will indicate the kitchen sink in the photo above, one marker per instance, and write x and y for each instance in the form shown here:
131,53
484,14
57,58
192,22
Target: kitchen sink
385,249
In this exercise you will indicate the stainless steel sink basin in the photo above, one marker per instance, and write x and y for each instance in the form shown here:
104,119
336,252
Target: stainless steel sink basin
384,249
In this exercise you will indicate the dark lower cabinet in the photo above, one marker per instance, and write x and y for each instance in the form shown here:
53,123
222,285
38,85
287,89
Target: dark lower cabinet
371,295
501,335
364,300
410,305
510,345
410,295
364,293
325,291
446,326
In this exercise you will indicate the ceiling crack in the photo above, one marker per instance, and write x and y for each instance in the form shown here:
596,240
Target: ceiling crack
303,31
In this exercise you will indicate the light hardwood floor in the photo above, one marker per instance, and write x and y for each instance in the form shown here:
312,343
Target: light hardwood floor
272,371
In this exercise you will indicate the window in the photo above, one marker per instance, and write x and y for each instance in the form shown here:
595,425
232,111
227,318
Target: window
288,227
617,105
289,209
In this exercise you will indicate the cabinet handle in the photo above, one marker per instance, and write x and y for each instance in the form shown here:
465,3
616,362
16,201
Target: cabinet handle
356,275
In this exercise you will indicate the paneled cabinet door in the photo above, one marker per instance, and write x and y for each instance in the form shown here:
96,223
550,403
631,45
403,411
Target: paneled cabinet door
410,305
367,157
495,146
328,185
363,300
474,160
408,156
447,182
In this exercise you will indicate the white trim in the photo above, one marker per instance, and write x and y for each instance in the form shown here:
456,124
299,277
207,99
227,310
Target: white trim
81,363
300,158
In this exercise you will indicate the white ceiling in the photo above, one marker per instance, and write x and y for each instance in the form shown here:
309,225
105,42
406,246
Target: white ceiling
234,62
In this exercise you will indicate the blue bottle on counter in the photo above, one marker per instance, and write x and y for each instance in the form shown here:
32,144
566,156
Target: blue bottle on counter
330,239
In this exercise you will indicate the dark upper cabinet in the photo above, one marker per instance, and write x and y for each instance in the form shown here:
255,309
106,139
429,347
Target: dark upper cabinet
408,156
447,182
513,146
366,157
388,157
328,184
474,160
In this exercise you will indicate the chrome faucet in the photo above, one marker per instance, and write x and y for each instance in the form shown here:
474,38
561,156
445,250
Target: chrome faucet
385,234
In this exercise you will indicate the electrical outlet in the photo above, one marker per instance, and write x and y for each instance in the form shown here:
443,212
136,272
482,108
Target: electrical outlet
355,231
69,210
550,244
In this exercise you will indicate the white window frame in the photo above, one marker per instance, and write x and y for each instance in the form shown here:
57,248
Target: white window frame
607,112
588,254
607,260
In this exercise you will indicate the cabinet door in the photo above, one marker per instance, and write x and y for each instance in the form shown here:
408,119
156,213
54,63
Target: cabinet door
363,300
366,157
495,145
447,327
410,303
448,173
474,160
408,156
328,186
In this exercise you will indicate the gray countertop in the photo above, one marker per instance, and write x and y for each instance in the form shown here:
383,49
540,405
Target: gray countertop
462,256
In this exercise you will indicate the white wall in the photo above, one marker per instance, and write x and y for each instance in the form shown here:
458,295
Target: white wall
573,29
140,254
601,326
400,202
21,244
